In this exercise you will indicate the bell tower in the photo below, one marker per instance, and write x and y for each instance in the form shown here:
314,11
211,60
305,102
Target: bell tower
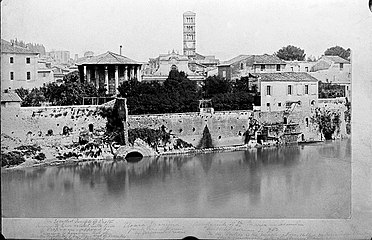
189,38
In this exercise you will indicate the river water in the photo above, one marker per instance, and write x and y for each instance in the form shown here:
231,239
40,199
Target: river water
311,181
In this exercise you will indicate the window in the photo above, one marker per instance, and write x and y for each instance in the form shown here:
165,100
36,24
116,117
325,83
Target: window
11,60
268,104
279,104
306,89
241,65
306,69
11,75
307,122
28,75
289,89
341,66
268,90
292,69
224,74
277,67
28,60
263,67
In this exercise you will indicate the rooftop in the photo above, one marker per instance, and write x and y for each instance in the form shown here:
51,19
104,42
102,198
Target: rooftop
335,59
7,47
10,96
107,58
286,77
189,13
255,59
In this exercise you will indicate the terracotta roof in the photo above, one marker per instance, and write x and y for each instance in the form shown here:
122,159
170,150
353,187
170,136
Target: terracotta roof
7,47
265,59
107,58
335,59
255,59
10,97
286,77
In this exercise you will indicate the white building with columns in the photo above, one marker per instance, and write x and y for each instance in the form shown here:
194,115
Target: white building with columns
109,70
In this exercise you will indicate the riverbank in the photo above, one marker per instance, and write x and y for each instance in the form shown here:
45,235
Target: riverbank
54,153
27,159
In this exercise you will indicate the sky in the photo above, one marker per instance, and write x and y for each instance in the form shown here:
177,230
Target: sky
145,29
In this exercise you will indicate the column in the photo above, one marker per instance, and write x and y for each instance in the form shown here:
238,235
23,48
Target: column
88,75
126,73
97,76
85,73
131,72
139,73
134,71
116,79
106,80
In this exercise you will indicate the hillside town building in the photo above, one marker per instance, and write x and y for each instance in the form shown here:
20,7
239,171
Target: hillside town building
60,57
158,68
19,67
290,91
109,70
335,70
45,72
298,66
243,65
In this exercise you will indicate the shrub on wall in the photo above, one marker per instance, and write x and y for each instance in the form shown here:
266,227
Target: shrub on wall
11,158
328,122
151,136
114,125
348,116
206,141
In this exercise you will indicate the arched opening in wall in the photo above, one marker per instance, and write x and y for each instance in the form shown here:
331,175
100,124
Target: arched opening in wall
90,126
66,130
232,127
134,156
285,120
307,122
312,103
302,137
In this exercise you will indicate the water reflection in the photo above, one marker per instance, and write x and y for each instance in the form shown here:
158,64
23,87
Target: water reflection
295,181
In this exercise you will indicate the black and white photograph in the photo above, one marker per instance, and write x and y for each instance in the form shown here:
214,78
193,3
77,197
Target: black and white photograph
223,119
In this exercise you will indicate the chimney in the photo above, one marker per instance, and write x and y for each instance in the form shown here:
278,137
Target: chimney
120,49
